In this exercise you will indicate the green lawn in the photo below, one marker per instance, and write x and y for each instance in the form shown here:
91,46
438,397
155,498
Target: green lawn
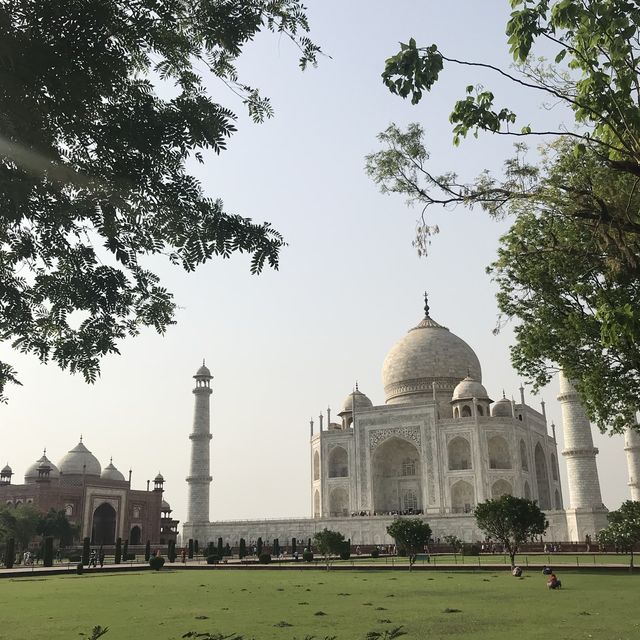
165,605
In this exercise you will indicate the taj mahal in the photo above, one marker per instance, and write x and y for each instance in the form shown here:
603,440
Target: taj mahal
437,447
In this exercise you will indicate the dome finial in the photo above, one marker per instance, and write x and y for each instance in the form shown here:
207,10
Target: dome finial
44,451
80,437
357,386
426,305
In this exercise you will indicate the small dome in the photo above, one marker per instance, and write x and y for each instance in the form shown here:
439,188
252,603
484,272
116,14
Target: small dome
111,473
469,388
502,408
158,478
6,469
203,371
165,506
358,398
31,474
80,460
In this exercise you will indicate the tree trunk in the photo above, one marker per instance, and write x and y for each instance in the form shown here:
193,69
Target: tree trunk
631,560
512,555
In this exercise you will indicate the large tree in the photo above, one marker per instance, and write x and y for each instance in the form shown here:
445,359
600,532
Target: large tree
411,534
511,521
56,524
92,162
587,179
329,543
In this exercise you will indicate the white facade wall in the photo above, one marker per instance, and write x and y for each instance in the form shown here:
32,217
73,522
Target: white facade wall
632,449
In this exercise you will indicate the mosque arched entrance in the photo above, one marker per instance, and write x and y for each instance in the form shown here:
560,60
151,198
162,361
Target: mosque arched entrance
103,530
395,468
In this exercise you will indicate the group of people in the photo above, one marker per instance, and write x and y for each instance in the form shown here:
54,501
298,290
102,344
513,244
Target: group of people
553,582
95,557
405,512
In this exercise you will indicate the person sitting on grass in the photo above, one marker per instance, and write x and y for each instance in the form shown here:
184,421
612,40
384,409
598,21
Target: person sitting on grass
553,582
517,572
546,571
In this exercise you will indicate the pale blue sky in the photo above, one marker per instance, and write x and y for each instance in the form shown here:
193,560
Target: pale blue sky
285,345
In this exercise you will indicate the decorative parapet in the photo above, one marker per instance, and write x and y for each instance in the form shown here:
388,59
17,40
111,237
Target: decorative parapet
580,453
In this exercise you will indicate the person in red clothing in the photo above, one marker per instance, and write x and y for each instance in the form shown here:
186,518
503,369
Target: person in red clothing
553,582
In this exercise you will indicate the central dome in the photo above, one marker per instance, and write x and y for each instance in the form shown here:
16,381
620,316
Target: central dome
80,460
428,354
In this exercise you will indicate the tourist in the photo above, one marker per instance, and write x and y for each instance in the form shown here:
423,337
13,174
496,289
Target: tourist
553,582
184,556
517,572
93,558
546,571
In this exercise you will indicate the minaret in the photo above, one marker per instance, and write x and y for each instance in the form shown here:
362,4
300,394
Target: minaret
632,448
586,514
199,478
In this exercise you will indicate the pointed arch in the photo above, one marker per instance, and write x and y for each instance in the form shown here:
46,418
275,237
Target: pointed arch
499,454
527,490
501,488
554,467
462,497
542,478
338,503
459,453
338,463
558,499
316,465
316,504
466,411
524,460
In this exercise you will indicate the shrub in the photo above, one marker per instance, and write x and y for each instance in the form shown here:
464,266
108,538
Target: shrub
76,557
470,550
118,554
294,545
375,552
10,553
213,559
48,551
259,547
125,550
227,550
171,551
147,551
220,547
79,568
196,547
86,551
242,549
345,550
307,556
190,552
156,562
264,558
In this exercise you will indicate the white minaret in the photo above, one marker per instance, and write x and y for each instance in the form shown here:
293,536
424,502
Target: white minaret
632,448
586,514
199,478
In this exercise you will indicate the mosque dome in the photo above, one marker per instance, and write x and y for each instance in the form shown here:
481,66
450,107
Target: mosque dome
165,506
158,478
356,398
469,388
428,354
502,408
111,473
80,460
31,474
6,469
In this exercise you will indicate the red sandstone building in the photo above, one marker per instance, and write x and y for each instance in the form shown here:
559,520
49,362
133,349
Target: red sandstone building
100,501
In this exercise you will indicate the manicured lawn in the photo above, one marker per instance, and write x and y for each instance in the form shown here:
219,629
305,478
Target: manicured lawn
259,604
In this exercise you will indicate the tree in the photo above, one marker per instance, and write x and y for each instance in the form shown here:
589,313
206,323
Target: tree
147,550
118,551
10,553
92,163
259,547
511,521
411,534
455,543
86,551
594,75
623,531
190,553
56,524
242,550
328,543
20,523
48,551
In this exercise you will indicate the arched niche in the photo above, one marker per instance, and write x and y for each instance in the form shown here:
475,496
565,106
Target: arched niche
338,463
316,504
103,530
501,488
527,490
462,497
557,499
466,411
554,467
316,465
338,503
410,500
135,535
524,460
459,454
390,461
499,455
542,478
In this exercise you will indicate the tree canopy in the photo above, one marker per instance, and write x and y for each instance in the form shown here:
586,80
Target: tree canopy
623,531
511,521
92,162
578,198
328,543
411,534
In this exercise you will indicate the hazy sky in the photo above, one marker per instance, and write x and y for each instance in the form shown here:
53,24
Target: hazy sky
285,345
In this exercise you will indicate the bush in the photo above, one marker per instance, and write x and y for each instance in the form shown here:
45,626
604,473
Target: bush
79,568
375,552
75,557
259,547
171,551
125,550
242,549
264,558
48,552
118,552
156,562
307,556
86,551
10,553
213,559
345,550
147,551
470,550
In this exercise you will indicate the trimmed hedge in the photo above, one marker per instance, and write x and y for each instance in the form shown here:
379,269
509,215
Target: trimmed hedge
10,553
147,551
264,558
156,563
307,556
375,552
213,559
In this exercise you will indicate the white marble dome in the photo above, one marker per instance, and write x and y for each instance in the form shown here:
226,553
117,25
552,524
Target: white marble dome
31,474
502,408
80,460
428,354
359,399
203,371
468,389
111,473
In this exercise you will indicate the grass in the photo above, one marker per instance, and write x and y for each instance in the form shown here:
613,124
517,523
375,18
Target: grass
284,605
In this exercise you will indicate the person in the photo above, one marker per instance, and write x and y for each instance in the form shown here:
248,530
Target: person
93,559
101,556
184,556
553,582
517,572
546,571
